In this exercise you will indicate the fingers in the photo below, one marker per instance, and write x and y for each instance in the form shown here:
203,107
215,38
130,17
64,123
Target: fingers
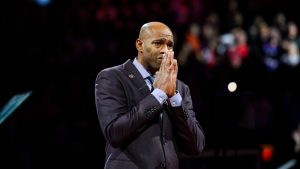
165,78
163,63
174,64
170,57
169,64
166,62
174,70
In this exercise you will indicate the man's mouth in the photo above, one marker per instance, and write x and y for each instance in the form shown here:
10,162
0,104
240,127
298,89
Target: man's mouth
161,57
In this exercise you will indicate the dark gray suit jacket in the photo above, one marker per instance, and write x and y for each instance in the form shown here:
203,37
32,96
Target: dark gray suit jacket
137,136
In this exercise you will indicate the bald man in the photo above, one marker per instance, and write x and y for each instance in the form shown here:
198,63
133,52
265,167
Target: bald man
146,113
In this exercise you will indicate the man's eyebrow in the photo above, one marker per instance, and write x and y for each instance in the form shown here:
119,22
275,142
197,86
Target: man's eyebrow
162,39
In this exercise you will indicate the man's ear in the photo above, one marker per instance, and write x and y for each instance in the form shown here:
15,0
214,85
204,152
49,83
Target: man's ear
139,45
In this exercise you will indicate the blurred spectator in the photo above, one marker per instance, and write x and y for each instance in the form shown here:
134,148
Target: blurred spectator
291,46
271,50
210,31
213,19
280,23
209,55
254,29
191,46
240,49
296,137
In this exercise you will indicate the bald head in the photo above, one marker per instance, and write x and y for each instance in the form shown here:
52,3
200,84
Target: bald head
150,28
155,39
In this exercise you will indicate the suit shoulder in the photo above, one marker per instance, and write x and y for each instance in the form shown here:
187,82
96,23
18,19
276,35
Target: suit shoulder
181,83
110,71
115,70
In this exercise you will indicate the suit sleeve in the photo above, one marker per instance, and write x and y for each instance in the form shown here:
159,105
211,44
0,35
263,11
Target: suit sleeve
120,124
189,134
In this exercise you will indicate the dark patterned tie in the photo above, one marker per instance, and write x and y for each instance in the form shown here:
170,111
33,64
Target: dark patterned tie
151,79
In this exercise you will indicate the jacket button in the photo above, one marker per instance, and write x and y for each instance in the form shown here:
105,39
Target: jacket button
162,165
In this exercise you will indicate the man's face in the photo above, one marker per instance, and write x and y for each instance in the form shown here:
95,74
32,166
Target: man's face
154,46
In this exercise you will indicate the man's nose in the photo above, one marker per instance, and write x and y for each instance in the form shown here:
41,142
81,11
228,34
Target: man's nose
165,49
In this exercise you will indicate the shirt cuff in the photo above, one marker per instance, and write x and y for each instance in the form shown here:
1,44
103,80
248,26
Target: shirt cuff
160,95
176,100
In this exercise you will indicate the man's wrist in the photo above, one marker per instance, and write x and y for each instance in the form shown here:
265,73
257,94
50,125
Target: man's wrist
160,95
175,100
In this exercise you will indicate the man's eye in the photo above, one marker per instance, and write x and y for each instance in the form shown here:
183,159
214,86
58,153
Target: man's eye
157,43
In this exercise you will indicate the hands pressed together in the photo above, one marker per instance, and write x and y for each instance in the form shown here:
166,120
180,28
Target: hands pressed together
165,78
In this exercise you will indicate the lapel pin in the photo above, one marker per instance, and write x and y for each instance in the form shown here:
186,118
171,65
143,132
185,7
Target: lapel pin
131,76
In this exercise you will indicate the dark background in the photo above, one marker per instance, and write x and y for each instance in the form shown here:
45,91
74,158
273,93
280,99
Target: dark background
56,51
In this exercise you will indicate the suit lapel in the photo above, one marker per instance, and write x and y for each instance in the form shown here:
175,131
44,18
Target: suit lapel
135,77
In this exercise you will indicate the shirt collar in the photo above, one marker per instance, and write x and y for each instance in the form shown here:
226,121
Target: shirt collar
141,68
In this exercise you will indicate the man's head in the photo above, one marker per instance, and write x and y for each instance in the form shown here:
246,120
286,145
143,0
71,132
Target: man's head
154,40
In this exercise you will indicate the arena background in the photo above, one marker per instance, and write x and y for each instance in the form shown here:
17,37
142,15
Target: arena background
56,48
